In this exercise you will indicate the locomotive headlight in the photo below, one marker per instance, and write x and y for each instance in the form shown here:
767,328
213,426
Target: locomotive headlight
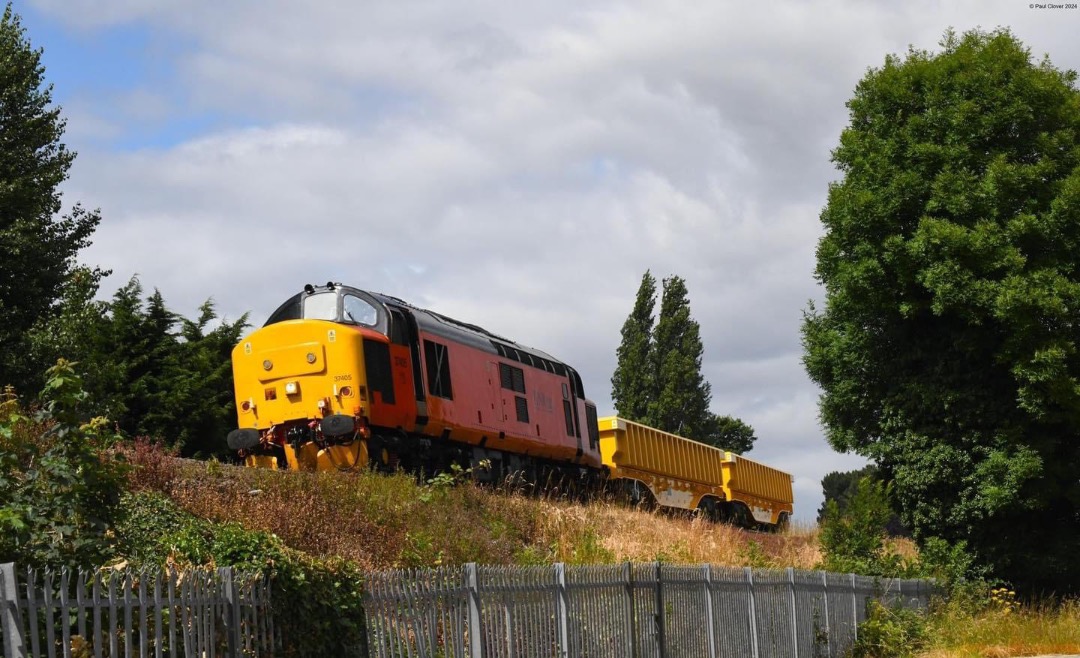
292,388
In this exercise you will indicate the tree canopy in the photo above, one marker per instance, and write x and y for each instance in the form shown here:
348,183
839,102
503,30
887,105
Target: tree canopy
658,379
37,245
947,349
152,371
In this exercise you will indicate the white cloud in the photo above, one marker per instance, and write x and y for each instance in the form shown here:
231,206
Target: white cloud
514,166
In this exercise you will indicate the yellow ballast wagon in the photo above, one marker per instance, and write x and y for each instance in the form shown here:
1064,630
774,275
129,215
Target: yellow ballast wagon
683,474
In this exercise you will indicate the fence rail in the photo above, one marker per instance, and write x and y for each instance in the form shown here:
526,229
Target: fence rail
160,613
631,610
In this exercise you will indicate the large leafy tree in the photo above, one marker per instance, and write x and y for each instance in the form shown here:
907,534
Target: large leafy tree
37,245
947,350
658,379
729,433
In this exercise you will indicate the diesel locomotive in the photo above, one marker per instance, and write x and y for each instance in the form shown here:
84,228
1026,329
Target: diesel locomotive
342,379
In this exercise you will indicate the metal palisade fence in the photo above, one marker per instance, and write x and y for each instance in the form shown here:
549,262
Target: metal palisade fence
113,613
623,611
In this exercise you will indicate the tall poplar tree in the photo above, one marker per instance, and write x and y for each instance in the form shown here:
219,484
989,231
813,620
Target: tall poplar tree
680,401
632,384
37,246
658,378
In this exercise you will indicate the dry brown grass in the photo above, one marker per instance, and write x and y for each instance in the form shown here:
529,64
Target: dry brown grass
995,633
622,534
380,521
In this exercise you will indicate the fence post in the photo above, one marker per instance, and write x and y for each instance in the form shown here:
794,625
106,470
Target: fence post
854,609
825,596
9,614
753,612
794,613
232,610
562,610
660,622
628,572
710,632
472,584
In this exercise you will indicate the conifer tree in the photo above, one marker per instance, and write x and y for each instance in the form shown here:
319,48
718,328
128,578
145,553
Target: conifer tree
632,384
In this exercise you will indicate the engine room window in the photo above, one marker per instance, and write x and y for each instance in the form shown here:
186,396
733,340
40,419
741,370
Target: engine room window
358,311
322,306
437,359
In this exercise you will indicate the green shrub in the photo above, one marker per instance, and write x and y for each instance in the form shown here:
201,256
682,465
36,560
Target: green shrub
60,483
854,540
316,602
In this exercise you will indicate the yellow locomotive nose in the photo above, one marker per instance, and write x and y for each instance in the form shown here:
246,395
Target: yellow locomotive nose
281,373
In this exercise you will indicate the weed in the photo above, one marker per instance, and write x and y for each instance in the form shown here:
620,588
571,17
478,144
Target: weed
890,632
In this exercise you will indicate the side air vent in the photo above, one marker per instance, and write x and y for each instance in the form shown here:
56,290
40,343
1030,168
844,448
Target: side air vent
522,409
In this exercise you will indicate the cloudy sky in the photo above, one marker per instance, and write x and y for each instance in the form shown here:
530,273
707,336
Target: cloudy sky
515,165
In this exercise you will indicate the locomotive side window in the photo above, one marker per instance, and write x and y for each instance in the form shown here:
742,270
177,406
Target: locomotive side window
359,311
437,359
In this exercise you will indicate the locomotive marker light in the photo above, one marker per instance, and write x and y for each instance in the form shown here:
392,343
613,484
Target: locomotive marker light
292,388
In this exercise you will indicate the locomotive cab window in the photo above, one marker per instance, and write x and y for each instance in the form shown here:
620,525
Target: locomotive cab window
321,307
337,307
358,311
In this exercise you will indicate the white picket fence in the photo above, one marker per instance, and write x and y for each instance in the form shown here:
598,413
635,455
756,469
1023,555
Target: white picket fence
192,613
622,611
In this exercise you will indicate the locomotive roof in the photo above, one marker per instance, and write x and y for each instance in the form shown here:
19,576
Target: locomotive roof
475,336
447,327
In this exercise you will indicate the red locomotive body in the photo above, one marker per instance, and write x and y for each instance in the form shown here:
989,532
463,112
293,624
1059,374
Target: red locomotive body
418,389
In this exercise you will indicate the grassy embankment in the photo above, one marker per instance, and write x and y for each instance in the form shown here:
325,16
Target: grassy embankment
386,521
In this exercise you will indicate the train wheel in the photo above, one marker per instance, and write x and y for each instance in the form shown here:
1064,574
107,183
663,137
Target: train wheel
638,495
709,509
738,514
